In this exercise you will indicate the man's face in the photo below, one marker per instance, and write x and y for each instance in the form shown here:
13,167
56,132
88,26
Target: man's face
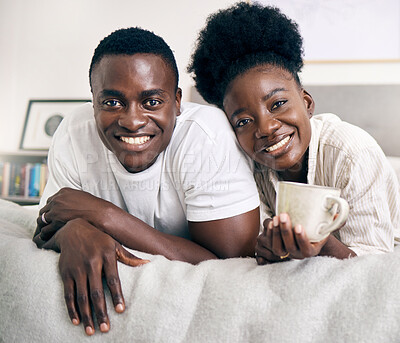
135,107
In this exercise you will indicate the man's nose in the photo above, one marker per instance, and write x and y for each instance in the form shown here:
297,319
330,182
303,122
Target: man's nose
133,119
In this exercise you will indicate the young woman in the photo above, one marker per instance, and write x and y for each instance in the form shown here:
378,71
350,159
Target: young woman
246,62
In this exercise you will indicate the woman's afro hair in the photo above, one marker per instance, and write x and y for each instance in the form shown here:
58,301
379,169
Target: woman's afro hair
134,40
239,38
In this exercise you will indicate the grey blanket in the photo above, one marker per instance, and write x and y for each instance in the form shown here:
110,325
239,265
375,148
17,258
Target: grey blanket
314,300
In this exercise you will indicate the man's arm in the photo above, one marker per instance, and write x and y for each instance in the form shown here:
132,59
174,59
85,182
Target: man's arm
230,237
84,250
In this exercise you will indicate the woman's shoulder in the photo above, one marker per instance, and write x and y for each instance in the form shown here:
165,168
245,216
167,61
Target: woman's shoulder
338,134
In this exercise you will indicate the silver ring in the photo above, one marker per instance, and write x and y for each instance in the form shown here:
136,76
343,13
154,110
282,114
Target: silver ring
44,219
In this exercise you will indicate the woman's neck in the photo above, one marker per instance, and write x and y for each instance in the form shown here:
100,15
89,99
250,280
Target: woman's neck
298,172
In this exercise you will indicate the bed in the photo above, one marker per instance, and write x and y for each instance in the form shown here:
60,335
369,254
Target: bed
319,299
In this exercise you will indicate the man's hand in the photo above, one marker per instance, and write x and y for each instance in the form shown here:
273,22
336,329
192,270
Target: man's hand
280,242
87,254
65,205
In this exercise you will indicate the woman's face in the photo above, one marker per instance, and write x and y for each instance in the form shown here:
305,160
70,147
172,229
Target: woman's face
270,114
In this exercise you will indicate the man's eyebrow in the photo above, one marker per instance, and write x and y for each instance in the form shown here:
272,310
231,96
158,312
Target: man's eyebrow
266,97
144,94
151,92
111,92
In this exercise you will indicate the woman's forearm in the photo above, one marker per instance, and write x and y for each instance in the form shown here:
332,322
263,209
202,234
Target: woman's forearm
335,248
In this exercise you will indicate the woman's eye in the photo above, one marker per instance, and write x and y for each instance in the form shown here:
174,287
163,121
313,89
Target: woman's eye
278,104
152,102
242,122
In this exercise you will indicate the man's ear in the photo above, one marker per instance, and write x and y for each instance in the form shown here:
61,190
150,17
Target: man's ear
178,100
309,102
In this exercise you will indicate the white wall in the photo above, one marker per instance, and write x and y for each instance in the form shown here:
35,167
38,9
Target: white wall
360,73
46,47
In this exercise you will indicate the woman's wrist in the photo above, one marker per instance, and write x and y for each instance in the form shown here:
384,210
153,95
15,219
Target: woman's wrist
336,248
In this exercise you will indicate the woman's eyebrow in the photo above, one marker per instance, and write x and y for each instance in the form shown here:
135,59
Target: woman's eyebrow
266,97
273,92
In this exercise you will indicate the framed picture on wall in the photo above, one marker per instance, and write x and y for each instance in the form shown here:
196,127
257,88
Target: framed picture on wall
42,119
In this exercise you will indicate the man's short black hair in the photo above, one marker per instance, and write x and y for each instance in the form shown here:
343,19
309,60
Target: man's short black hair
130,41
239,38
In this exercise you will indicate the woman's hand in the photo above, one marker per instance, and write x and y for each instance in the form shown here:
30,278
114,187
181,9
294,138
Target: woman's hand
65,205
280,242
86,254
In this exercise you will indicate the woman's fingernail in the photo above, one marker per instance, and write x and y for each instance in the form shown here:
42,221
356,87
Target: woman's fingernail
119,308
104,327
276,221
298,229
270,225
75,321
89,330
283,217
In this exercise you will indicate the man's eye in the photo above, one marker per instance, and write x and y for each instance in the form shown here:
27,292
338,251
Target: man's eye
242,122
152,102
278,104
112,103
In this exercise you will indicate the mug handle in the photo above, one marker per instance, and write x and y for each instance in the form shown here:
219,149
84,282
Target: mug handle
343,208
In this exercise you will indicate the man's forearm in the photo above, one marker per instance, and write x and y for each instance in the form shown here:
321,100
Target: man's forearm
136,234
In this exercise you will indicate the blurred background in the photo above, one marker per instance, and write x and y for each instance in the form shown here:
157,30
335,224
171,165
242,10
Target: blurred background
47,45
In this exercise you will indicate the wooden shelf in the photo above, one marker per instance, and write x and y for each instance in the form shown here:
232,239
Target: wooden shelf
17,159
22,200
28,156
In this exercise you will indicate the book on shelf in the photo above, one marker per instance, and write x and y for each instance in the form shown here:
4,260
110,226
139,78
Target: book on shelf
22,179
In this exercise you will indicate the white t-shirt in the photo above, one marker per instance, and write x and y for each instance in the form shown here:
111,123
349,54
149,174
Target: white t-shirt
202,175
344,156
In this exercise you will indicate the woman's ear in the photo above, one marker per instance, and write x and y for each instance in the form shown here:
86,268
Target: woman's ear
309,102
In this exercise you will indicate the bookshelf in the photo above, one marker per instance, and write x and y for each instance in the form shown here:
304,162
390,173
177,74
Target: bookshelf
23,175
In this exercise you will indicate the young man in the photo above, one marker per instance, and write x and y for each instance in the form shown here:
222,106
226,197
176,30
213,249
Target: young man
142,171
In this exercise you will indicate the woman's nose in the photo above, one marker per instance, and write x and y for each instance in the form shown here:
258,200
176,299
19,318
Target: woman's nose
132,119
266,126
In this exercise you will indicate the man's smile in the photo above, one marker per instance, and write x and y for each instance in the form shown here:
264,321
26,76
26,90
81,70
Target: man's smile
135,140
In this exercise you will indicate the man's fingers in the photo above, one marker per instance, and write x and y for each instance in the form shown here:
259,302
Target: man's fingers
39,221
69,296
47,232
99,301
114,284
82,300
127,258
